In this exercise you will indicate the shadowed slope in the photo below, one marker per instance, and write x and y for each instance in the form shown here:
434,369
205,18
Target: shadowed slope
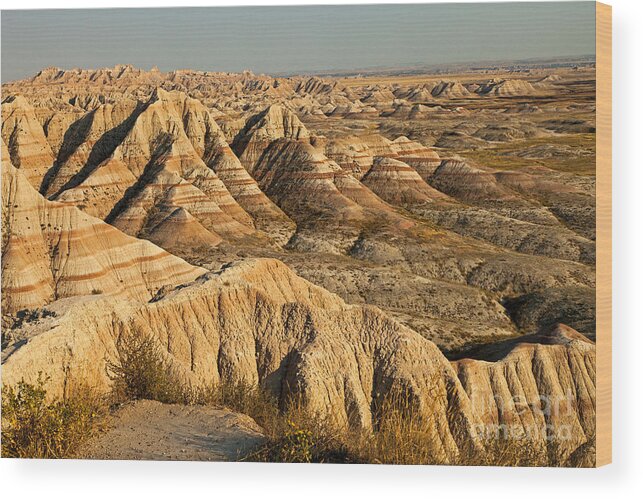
25,140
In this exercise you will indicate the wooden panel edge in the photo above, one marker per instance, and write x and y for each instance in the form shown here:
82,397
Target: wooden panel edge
603,234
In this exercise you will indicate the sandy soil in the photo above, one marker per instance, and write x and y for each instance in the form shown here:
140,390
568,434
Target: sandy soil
154,431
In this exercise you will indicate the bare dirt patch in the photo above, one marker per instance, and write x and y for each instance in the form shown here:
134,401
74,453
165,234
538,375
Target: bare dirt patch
165,432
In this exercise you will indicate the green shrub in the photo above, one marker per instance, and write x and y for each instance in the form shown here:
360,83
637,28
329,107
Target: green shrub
296,445
142,372
35,428
293,435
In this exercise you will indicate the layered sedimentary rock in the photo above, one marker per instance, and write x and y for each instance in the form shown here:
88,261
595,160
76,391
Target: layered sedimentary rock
134,164
52,251
508,252
162,191
179,231
378,95
25,140
539,389
159,136
261,130
351,154
421,94
100,192
399,184
117,107
449,90
257,322
276,149
209,141
506,88
547,81
423,159
90,141
468,183
302,181
356,154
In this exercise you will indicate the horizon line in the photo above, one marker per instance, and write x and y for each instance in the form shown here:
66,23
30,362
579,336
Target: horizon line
419,67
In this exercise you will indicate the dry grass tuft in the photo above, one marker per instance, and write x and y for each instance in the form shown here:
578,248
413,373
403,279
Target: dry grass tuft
142,372
35,428
401,434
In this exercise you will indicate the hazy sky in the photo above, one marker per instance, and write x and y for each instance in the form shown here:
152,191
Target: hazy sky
293,39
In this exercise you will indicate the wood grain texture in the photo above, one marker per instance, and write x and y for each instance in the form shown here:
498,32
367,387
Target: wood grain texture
603,234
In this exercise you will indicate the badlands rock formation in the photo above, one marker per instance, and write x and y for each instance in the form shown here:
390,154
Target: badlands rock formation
258,322
561,363
51,251
420,157
143,151
399,184
341,234
261,130
506,88
25,140
276,149
218,155
449,90
469,184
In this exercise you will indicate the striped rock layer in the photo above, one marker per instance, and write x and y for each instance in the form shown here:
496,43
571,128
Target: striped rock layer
506,88
25,140
399,184
52,251
276,150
